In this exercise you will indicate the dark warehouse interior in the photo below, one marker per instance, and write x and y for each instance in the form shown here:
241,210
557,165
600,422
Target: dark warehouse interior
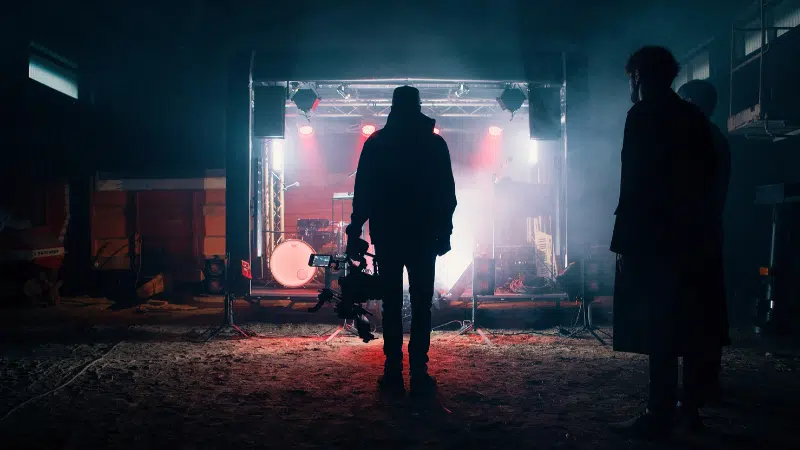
186,187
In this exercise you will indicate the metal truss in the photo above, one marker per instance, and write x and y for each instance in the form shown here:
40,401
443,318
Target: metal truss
275,223
376,109
372,98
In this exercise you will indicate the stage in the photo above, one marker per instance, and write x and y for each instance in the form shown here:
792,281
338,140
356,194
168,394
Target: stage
305,295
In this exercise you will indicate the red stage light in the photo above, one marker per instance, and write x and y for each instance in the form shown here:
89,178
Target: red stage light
367,130
436,131
306,130
495,131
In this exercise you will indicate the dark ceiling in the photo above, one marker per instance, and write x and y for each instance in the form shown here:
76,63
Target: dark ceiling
159,65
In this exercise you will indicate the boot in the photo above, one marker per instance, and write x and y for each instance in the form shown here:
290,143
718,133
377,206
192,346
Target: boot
688,420
422,384
647,426
391,382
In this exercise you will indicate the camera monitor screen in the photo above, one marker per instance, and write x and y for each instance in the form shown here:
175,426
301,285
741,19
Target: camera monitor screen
319,260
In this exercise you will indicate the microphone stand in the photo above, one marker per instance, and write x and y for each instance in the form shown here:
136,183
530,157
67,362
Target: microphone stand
470,326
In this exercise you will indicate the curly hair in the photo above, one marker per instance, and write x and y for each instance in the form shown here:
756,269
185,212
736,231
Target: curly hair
653,63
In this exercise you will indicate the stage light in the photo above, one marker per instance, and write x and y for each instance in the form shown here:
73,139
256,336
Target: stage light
511,99
462,90
436,130
276,154
495,131
343,91
367,130
306,130
533,152
306,100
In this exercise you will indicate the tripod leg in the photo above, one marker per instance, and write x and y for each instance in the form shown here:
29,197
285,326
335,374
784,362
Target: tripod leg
577,332
599,339
214,333
334,334
242,332
603,332
466,328
350,329
484,336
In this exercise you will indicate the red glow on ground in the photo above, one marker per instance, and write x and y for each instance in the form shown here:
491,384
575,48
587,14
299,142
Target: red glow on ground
436,131
495,131
305,130
367,130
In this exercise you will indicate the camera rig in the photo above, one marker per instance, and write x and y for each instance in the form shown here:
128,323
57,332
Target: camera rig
357,285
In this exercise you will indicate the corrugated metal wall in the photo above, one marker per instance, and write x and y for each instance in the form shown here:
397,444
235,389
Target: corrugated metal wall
178,229
110,230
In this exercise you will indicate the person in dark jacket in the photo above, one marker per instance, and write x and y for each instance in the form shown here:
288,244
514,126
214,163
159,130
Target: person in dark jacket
405,188
662,237
702,94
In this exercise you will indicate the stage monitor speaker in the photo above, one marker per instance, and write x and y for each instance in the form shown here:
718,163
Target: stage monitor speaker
545,113
269,112
214,276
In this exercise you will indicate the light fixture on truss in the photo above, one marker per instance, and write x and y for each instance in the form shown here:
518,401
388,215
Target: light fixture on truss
461,91
511,99
307,99
344,91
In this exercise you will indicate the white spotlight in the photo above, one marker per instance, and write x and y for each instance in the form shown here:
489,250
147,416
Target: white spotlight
276,154
533,151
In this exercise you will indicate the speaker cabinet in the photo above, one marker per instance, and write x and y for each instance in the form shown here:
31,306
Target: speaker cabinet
269,112
483,276
545,113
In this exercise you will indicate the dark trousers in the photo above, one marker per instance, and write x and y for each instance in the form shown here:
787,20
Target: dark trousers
700,374
421,266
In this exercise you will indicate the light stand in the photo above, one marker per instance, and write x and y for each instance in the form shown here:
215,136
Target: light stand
471,326
228,321
583,311
227,311
347,326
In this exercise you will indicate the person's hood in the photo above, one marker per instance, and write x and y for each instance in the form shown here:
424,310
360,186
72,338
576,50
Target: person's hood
405,122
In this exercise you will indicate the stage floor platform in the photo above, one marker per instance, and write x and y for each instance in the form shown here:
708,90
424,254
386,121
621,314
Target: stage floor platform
305,295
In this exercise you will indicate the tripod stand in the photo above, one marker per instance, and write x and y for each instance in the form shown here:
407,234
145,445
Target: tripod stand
227,321
347,326
471,326
583,310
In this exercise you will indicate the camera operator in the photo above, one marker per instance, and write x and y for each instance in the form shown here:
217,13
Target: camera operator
404,186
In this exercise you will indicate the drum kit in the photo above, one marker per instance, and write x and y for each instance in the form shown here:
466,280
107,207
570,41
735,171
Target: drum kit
288,263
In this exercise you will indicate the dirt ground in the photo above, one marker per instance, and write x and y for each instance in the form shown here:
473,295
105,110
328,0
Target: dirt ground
159,386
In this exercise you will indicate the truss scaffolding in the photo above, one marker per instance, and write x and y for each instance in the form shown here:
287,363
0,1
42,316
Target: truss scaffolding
275,223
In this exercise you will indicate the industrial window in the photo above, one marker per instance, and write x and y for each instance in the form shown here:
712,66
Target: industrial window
752,41
698,68
701,67
53,71
682,79
789,18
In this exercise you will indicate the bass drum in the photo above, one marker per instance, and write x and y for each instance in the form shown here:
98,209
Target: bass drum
289,263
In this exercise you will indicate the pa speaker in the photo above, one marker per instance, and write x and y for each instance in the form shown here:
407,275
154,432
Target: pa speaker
269,112
214,273
483,276
545,113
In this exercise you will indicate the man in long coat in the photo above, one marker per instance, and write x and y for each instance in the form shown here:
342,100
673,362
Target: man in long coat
662,237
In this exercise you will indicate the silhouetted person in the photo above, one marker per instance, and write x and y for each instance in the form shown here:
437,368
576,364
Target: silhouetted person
702,94
662,239
404,186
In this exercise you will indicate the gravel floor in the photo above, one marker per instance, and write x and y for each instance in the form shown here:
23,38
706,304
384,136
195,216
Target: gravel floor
150,387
